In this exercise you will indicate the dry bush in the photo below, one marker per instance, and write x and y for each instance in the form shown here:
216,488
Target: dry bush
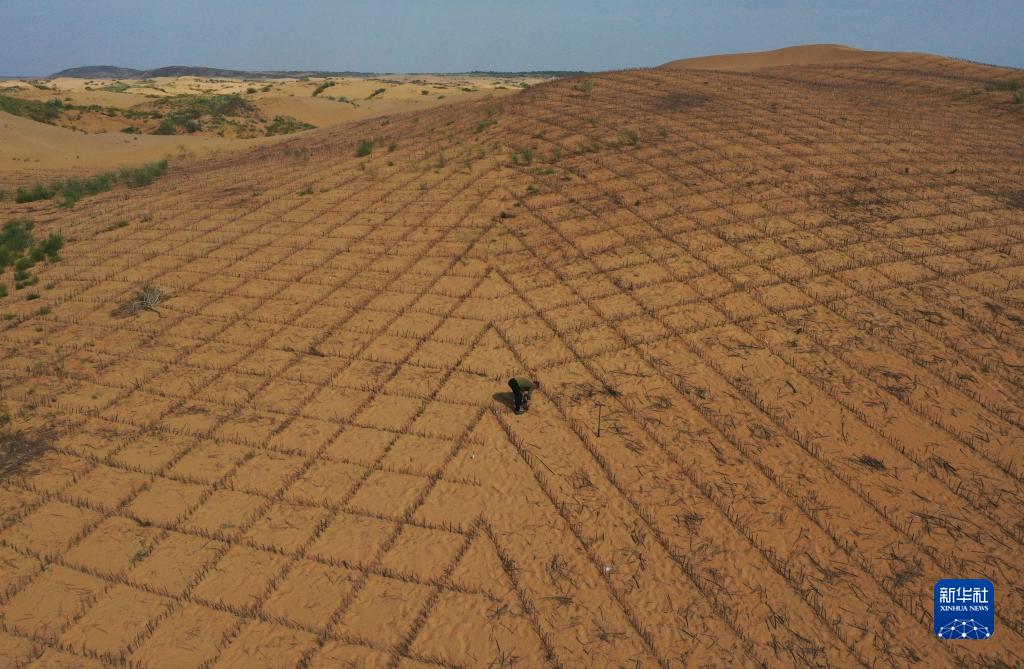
18,448
146,299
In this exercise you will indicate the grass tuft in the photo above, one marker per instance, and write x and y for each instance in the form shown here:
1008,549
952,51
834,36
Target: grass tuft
871,462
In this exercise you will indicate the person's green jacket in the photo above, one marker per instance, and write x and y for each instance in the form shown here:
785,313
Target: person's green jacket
525,383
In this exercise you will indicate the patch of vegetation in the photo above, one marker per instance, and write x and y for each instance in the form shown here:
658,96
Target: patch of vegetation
486,123
43,112
187,112
20,251
142,176
323,87
37,192
74,189
364,148
146,299
1010,85
308,190
300,153
630,137
116,87
116,226
523,156
376,93
18,448
286,125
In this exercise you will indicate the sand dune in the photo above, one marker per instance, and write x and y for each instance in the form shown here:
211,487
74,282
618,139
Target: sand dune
810,54
777,320
28,147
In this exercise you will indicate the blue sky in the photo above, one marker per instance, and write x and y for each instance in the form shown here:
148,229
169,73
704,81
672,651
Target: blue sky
39,37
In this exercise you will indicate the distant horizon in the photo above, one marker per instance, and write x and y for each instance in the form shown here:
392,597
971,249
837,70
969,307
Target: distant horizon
326,71
338,72
458,36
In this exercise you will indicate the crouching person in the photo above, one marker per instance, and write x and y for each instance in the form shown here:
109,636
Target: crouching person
522,387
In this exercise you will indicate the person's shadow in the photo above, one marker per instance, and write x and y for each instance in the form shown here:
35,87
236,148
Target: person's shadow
505,398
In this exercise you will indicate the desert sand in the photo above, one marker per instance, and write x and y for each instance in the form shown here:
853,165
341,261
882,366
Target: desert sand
83,141
776,314
807,54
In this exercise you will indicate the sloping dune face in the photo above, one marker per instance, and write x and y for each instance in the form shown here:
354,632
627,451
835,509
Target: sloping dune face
777,323
809,54
31,151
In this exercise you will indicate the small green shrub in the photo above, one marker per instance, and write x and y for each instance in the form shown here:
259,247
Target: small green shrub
376,93
144,175
364,148
72,190
286,125
15,239
523,156
37,192
323,87
51,247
